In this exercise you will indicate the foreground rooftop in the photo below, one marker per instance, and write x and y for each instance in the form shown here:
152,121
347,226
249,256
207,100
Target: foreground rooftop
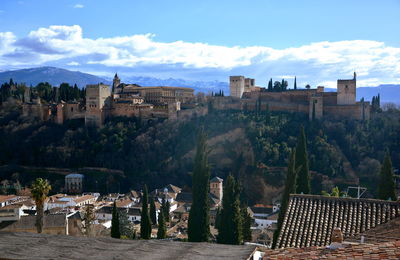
40,246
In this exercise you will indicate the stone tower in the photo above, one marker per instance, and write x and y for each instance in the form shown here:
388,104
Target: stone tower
97,97
346,91
236,86
116,81
216,187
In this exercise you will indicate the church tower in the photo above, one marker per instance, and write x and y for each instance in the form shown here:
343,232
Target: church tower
116,81
216,188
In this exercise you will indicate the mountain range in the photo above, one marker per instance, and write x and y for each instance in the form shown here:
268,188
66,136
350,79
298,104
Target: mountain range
56,76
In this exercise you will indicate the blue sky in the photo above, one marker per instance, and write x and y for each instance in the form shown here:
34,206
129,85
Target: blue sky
319,41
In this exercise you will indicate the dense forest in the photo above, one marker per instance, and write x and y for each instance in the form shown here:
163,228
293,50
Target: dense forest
249,145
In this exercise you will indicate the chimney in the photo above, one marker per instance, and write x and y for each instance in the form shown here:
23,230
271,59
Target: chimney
336,239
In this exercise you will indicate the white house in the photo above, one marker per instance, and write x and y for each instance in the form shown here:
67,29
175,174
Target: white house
59,201
105,213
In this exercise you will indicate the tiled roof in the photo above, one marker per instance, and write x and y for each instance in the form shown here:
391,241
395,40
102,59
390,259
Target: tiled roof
4,198
49,221
83,198
386,232
216,179
388,250
173,188
310,219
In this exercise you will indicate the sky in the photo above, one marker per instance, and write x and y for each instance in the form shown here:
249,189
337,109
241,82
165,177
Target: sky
316,41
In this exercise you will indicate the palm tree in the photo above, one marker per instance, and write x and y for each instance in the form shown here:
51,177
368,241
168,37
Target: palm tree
40,189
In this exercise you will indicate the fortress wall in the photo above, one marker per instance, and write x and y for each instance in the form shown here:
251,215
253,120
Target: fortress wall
348,111
330,98
289,96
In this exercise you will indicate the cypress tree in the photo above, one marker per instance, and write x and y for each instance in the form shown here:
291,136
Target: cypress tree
387,187
290,188
303,177
246,224
295,83
145,222
218,218
267,115
115,233
270,85
153,215
313,111
162,229
166,211
230,230
198,224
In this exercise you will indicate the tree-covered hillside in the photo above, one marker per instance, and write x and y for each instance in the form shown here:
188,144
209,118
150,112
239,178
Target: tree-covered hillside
249,145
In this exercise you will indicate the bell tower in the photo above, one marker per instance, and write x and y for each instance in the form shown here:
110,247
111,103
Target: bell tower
116,81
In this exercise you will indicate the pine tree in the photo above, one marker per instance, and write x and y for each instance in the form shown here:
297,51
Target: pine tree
295,83
125,225
115,233
198,224
303,177
246,224
387,187
230,230
145,222
290,188
153,214
162,229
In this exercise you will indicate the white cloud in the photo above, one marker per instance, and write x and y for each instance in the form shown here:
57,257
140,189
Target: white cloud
79,6
315,63
73,63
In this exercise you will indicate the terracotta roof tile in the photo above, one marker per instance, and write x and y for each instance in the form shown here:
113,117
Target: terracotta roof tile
310,219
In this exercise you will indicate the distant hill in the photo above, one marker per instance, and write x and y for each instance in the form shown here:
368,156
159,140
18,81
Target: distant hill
55,76
388,93
199,86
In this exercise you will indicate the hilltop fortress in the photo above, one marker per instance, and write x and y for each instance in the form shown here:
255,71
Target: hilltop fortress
120,100
131,100
314,102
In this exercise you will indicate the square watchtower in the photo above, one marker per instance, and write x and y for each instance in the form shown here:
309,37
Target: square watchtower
346,91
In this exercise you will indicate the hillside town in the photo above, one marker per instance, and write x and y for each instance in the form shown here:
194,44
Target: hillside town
66,214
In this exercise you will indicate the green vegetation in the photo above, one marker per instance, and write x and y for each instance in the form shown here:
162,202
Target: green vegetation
145,222
301,162
115,231
43,90
153,214
246,224
290,188
40,188
161,152
198,224
162,228
387,186
230,228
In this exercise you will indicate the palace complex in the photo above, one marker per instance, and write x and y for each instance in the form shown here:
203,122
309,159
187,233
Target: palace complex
315,102
131,100
120,100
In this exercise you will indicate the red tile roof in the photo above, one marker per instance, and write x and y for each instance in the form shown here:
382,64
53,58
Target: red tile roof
388,250
310,219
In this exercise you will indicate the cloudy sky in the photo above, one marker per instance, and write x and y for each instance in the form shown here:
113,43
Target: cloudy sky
317,41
